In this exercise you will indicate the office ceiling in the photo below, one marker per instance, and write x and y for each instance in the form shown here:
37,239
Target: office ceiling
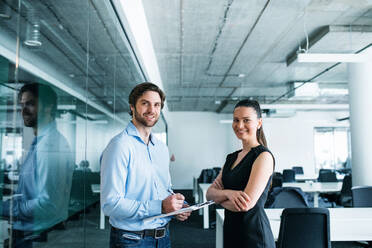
210,53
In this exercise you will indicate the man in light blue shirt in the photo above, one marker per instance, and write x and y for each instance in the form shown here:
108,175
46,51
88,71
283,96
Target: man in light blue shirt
42,196
135,179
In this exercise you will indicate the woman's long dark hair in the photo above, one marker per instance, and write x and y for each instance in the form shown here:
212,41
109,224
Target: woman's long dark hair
256,106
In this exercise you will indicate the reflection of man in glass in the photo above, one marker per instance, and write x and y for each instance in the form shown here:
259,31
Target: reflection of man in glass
43,191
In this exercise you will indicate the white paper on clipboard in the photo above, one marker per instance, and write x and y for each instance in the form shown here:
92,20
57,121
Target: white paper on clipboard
182,210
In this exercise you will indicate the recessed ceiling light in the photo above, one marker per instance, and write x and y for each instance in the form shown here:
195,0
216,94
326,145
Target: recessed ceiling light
217,102
241,75
331,58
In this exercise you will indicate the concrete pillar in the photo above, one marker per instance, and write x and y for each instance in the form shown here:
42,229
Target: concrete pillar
360,98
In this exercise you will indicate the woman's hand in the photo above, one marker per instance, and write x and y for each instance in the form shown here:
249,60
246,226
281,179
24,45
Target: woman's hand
239,199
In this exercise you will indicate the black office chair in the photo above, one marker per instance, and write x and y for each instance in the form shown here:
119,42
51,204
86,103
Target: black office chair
345,197
298,170
362,196
305,228
327,176
288,176
286,197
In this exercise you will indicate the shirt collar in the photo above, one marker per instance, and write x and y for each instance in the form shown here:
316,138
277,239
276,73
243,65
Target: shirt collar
133,131
44,130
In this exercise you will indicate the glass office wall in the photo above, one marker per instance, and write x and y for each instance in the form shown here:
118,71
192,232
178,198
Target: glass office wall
51,140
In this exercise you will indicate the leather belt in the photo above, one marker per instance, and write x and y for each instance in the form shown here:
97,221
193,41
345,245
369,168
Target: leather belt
156,233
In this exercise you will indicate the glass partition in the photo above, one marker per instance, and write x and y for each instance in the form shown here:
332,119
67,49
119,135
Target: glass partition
75,56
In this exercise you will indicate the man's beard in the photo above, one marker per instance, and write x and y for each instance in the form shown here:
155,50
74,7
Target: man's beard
143,121
29,120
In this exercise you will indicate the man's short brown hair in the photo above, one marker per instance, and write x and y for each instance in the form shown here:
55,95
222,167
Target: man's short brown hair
140,89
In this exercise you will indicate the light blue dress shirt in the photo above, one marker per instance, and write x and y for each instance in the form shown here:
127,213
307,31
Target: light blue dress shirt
134,180
44,183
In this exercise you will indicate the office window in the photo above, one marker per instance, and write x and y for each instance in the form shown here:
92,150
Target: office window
332,147
11,150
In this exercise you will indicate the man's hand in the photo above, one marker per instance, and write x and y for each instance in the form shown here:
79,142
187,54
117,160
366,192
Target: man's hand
172,203
183,216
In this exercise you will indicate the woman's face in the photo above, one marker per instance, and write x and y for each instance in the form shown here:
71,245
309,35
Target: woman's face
246,123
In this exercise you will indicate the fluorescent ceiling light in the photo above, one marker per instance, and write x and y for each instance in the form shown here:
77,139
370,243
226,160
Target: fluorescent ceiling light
333,92
332,58
343,107
303,91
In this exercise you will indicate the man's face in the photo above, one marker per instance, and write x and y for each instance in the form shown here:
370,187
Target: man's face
147,109
29,105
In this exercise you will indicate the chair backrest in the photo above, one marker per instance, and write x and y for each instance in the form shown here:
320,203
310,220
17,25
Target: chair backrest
95,177
362,196
277,180
81,186
298,170
288,176
305,228
346,185
286,197
327,176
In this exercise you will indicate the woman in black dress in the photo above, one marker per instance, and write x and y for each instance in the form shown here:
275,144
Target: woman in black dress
243,183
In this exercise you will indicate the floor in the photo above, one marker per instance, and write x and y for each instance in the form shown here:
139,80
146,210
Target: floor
85,233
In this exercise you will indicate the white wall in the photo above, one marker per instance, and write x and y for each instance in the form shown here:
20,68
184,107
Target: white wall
92,138
198,140
292,139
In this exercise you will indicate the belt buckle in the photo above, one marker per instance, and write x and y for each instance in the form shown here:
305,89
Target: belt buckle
160,232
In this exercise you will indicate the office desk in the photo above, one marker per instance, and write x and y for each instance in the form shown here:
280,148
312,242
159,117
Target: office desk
303,178
315,188
97,190
346,224
203,187
313,177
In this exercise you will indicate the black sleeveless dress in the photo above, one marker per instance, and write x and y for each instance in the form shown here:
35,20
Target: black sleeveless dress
249,229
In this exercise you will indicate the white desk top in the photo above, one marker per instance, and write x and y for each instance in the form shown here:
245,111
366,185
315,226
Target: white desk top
204,186
346,224
314,177
302,177
316,186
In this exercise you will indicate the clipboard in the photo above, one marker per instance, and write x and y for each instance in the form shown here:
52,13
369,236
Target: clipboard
182,210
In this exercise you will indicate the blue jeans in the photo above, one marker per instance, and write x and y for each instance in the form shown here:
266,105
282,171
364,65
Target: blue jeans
124,239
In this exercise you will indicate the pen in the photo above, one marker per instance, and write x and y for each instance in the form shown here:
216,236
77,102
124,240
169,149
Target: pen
171,191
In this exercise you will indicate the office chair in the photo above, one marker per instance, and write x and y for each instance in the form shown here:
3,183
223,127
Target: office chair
286,197
327,176
298,170
345,197
288,176
277,180
362,196
305,228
